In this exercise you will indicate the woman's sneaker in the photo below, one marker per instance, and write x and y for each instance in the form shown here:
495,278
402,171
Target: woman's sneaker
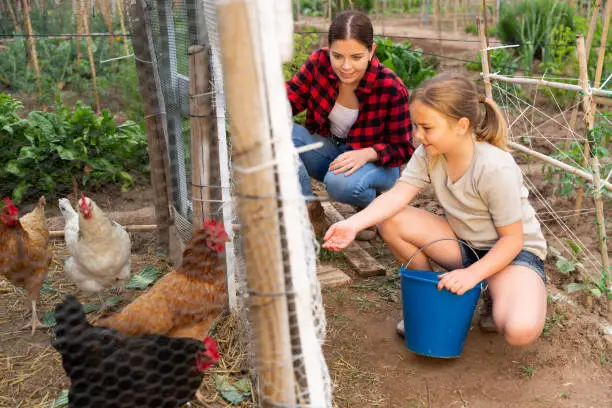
485,320
317,218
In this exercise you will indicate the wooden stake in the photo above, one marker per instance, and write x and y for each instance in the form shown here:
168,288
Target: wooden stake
484,58
602,47
105,9
599,212
13,16
200,110
92,62
486,30
570,169
439,24
32,43
129,228
574,117
122,22
79,29
259,217
550,84
588,113
154,120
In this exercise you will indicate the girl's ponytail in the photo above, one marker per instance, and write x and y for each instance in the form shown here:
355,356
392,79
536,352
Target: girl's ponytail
492,128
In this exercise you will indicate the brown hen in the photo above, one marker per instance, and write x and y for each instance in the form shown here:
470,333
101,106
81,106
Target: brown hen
186,301
24,256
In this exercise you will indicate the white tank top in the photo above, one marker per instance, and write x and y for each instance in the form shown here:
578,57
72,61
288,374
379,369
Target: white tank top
342,119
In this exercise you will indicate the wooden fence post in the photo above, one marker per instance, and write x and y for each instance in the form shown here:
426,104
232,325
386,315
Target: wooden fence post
200,111
259,207
154,115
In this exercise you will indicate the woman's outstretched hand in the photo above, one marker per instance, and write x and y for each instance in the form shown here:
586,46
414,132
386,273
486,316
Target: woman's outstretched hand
339,236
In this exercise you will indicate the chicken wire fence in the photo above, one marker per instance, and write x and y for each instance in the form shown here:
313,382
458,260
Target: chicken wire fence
267,269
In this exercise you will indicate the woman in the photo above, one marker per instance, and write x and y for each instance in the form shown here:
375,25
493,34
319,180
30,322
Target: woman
358,108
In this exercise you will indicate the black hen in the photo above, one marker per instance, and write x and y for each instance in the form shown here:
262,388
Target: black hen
110,370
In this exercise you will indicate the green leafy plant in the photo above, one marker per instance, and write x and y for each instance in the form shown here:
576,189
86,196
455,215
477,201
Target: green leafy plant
406,63
599,141
46,150
530,23
303,46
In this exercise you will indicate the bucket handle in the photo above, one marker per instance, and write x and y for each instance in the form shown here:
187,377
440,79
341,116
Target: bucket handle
445,239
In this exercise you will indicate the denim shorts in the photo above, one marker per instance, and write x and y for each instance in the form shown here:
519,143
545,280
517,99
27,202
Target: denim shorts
524,258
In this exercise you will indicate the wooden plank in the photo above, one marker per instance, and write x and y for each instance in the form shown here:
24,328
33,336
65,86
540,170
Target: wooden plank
363,263
330,276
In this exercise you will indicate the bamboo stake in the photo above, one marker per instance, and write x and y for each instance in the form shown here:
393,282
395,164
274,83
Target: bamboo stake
602,47
122,22
13,16
574,117
129,228
570,169
107,14
32,43
2,6
550,84
486,30
599,213
200,110
79,27
588,112
259,218
92,63
603,101
64,36
439,24
484,58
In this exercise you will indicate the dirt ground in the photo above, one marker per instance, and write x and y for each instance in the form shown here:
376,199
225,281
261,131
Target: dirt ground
569,366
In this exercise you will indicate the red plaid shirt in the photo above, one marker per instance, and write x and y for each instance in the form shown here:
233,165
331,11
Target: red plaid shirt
384,120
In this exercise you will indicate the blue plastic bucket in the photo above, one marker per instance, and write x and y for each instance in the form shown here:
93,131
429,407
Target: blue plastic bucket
436,322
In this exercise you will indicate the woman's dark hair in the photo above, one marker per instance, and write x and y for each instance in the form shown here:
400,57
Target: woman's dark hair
352,25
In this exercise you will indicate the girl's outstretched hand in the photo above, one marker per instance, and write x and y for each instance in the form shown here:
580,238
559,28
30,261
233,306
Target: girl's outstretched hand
459,281
339,236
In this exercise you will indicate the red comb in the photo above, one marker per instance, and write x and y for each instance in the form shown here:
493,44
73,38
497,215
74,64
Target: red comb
210,356
10,206
212,348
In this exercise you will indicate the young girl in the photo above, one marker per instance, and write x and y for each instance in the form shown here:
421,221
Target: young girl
358,108
477,182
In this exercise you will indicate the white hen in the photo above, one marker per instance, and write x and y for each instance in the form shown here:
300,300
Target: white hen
100,249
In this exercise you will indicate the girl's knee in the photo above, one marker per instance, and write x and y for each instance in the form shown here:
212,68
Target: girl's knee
522,333
389,228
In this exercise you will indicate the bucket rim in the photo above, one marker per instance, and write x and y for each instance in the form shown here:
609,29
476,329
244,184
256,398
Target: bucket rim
404,273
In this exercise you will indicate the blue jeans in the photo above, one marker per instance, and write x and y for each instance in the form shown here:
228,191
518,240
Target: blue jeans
524,258
359,189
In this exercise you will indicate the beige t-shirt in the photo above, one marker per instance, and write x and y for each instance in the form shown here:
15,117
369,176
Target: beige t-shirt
490,194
